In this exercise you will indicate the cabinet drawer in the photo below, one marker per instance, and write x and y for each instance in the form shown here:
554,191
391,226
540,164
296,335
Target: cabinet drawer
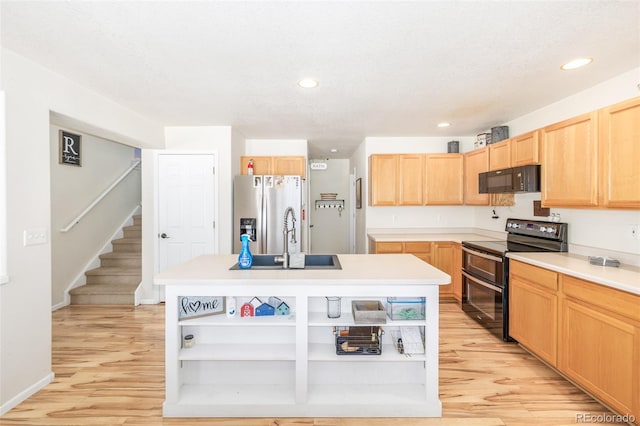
389,247
611,299
417,247
534,275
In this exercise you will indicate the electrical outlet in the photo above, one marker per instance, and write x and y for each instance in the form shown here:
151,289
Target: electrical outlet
632,231
35,236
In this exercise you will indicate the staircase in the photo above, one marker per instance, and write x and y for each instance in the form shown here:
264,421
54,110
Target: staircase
119,274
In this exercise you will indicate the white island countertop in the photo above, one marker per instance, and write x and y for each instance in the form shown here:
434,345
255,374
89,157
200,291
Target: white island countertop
357,269
625,278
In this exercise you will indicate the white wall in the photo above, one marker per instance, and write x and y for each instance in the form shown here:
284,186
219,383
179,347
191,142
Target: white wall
31,93
272,147
599,228
358,165
72,190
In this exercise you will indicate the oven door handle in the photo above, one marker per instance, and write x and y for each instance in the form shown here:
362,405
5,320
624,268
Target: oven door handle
483,255
482,283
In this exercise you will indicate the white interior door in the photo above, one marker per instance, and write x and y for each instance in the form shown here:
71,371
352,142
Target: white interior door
186,228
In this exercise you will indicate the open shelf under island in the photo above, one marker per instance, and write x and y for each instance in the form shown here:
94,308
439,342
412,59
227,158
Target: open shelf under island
284,366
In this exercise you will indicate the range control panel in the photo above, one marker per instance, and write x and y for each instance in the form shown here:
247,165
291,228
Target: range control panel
537,228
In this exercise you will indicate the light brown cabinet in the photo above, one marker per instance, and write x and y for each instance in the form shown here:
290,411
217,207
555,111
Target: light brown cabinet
533,309
444,255
289,165
475,162
570,163
387,247
444,258
600,342
444,179
456,272
411,179
619,146
589,332
415,179
500,155
276,165
383,180
519,150
525,149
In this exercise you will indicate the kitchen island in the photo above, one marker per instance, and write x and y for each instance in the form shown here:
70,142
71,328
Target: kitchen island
287,365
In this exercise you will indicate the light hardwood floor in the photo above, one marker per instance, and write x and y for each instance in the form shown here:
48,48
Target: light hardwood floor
109,370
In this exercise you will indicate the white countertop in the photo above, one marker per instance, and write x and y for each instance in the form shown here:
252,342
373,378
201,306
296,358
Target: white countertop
357,269
626,278
428,236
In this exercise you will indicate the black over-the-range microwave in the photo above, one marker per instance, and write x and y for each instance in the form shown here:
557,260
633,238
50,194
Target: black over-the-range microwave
514,179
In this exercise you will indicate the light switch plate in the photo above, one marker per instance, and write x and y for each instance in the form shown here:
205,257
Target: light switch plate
35,236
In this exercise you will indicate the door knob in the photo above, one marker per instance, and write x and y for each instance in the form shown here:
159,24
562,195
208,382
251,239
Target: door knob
163,235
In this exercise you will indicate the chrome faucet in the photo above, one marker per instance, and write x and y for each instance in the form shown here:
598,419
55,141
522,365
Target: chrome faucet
285,237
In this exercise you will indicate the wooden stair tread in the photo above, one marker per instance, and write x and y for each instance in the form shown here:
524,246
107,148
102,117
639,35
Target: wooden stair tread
105,289
113,270
127,241
121,255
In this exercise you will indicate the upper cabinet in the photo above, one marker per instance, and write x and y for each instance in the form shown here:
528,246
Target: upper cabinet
525,149
475,162
415,179
520,150
619,147
570,163
277,165
411,179
500,155
444,175
289,165
383,180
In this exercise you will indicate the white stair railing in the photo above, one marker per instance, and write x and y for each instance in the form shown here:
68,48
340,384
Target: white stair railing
77,220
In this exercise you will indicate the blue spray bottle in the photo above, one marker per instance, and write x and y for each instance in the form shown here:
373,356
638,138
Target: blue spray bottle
245,259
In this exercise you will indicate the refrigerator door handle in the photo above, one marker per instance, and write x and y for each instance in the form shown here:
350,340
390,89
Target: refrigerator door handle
264,212
265,234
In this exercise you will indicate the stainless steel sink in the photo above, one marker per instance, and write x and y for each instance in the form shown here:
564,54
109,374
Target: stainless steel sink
311,261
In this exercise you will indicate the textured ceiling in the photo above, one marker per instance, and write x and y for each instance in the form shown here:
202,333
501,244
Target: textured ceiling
385,68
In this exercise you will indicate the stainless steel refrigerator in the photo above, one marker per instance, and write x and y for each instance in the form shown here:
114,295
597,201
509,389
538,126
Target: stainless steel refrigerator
259,204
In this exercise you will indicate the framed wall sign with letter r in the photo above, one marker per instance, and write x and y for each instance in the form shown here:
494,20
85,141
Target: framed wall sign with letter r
69,148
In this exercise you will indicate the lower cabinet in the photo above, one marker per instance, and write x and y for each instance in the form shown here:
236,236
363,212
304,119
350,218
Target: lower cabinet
444,259
590,333
600,342
444,255
533,309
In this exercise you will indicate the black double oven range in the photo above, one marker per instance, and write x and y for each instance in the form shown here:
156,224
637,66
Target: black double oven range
485,269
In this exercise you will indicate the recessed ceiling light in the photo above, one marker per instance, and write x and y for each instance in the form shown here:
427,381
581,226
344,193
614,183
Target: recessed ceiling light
308,83
576,63
334,150
444,124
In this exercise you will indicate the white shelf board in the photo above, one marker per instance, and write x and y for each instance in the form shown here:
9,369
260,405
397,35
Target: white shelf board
234,394
361,394
327,352
222,320
238,352
319,319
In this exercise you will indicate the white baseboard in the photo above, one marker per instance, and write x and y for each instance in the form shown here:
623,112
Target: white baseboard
25,394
